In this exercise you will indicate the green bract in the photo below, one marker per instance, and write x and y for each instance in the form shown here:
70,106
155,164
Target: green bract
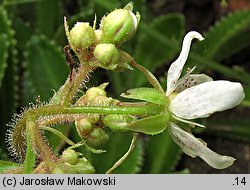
119,26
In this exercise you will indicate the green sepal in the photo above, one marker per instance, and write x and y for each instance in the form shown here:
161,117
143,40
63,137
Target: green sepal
147,94
117,122
150,125
124,62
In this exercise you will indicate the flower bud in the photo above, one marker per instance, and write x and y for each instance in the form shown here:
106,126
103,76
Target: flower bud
63,168
107,56
69,156
94,92
97,137
119,26
118,122
83,127
104,101
90,95
81,36
83,166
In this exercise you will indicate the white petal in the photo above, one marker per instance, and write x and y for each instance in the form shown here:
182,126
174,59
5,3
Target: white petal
176,67
204,99
195,147
191,80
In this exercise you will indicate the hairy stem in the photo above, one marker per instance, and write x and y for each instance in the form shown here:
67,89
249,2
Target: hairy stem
44,150
71,87
30,156
18,140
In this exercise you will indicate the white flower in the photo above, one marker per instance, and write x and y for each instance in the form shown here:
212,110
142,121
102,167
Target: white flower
198,96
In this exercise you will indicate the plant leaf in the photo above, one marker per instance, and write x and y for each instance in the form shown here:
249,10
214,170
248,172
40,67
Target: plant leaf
6,165
134,163
232,128
45,65
4,45
8,89
49,15
116,147
15,2
152,54
227,36
162,154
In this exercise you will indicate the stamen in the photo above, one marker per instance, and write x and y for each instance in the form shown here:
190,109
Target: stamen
193,124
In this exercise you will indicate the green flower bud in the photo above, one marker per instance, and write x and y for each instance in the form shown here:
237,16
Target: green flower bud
97,137
107,56
69,156
89,98
83,127
63,168
94,92
81,36
83,166
118,122
119,26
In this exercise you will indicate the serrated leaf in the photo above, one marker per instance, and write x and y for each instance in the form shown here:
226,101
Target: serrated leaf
134,163
49,15
8,85
116,147
5,40
152,54
45,65
223,38
5,166
236,129
162,154
23,32
4,45
198,58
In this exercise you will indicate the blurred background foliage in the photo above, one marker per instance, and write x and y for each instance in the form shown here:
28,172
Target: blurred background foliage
32,64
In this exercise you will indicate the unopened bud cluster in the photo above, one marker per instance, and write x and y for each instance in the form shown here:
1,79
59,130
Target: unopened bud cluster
72,164
90,128
103,45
